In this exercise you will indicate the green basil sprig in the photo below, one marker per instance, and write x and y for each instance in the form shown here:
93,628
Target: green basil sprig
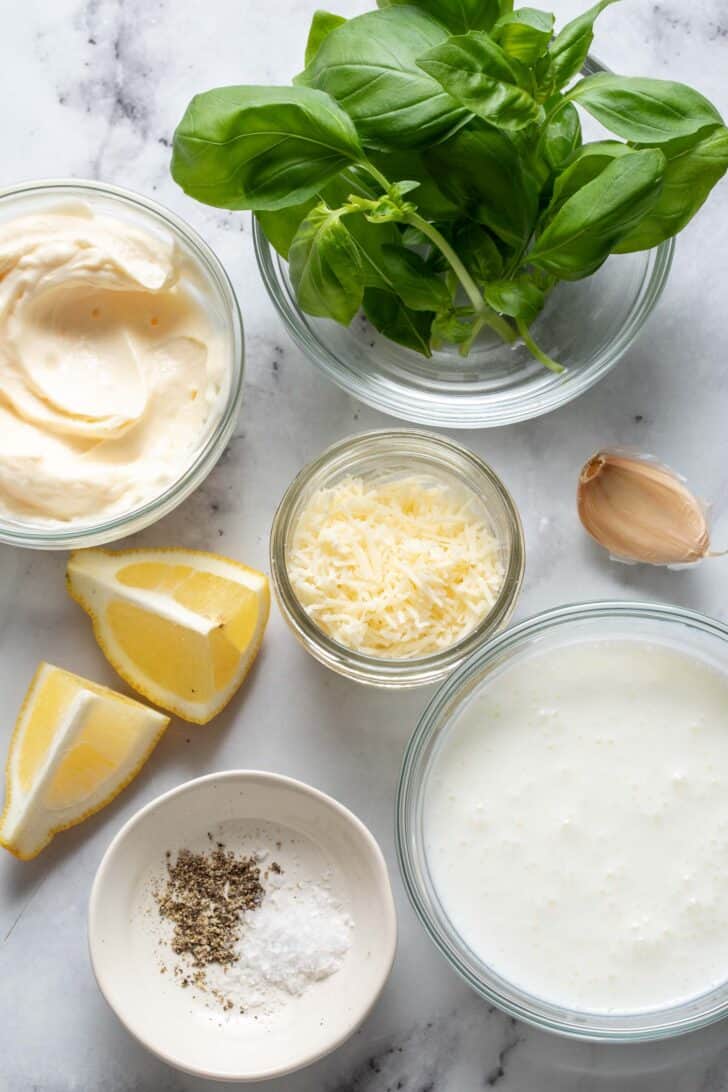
428,166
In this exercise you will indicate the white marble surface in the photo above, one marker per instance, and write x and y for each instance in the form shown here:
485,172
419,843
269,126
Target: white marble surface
93,88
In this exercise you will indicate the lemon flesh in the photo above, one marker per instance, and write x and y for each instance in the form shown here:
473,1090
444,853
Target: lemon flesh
181,626
75,746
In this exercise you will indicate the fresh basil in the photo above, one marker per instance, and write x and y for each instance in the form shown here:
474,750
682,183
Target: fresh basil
644,110
482,171
409,163
524,34
391,317
418,288
589,161
457,326
325,267
428,166
694,165
570,47
479,250
520,298
561,137
322,24
459,16
261,147
369,65
281,225
478,74
591,223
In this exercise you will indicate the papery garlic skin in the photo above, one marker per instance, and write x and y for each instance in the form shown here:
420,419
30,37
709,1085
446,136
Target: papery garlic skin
640,510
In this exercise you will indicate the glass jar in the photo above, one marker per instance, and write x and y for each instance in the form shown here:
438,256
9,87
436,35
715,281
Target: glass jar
387,454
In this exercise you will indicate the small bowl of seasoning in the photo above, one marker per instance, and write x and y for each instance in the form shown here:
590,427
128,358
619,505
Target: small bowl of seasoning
396,554
242,925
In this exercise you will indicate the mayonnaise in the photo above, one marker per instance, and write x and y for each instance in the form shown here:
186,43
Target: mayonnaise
112,375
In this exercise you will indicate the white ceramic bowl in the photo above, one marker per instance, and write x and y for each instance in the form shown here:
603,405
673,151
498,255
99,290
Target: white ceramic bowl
174,1023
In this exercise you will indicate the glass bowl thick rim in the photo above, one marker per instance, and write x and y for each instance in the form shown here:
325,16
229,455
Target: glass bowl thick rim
115,527
406,403
614,1028
355,665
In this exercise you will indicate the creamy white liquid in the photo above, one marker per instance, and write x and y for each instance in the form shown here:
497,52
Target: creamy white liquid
576,825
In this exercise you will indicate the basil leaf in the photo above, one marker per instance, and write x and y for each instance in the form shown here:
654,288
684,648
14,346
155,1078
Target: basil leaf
587,164
261,147
570,47
368,64
519,298
694,165
325,267
477,73
477,248
454,327
418,288
322,24
429,198
561,137
391,317
643,110
281,225
524,33
459,16
371,240
591,223
482,171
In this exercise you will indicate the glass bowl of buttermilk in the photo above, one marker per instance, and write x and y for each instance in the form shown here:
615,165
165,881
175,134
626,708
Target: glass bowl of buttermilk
562,821
587,326
121,353
394,555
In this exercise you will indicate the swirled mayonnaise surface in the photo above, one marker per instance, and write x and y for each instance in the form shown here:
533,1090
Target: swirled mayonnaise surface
113,371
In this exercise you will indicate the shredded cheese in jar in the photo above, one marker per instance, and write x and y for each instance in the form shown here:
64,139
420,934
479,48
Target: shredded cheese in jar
395,568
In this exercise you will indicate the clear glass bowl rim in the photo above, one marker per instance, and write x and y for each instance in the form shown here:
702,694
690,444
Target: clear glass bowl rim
400,402
115,527
597,1027
355,665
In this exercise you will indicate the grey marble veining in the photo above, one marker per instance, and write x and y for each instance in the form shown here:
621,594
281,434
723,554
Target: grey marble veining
94,89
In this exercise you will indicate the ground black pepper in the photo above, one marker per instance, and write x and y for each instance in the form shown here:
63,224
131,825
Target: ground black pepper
204,897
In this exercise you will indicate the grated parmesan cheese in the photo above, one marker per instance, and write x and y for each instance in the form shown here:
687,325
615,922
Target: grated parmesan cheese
395,568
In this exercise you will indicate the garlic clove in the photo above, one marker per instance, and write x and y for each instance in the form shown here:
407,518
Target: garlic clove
640,510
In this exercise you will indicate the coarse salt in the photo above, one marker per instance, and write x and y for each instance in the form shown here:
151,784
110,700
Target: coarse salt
299,935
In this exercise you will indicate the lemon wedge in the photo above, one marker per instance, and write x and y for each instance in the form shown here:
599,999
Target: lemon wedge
181,626
74,748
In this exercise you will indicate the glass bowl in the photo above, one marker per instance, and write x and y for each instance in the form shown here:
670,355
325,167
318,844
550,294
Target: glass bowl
681,629
222,303
381,455
586,325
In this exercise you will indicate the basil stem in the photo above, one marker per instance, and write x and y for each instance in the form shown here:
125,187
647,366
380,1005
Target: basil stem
500,325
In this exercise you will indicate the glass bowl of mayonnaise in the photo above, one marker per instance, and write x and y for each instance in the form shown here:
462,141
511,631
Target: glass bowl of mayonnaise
121,363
